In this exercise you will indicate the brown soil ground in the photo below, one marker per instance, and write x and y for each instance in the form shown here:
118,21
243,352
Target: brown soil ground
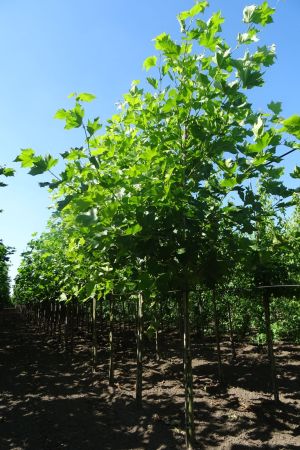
51,400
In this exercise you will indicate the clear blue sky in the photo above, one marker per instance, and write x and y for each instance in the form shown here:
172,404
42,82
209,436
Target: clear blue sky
50,48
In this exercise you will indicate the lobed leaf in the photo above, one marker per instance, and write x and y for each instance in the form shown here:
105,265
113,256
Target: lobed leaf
7,172
275,107
292,125
150,62
85,97
26,157
296,172
42,164
198,8
133,229
261,15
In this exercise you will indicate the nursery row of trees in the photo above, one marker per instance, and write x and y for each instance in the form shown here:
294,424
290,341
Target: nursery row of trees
4,253
4,275
176,212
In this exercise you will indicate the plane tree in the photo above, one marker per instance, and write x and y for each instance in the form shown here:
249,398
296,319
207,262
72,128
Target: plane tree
172,169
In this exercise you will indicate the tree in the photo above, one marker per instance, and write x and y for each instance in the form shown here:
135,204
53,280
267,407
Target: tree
4,275
145,201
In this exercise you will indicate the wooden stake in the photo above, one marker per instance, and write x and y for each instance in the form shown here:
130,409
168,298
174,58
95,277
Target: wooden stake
266,303
139,352
188,375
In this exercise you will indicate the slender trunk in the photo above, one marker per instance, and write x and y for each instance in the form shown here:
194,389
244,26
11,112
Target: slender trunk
217,335
180,315
233,352
39,316
48,317
188,375
56,316
111,370
94,334
139,352
161,315
59,315
124,315
101,312
82,317
65,328
266,303
201,322
157,345
52,318
157,329
72,326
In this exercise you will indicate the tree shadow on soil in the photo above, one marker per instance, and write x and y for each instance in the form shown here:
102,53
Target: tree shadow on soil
51,400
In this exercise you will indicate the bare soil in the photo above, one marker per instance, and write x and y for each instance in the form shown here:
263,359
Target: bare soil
50,399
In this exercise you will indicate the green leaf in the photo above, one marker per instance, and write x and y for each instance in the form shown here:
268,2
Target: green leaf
150,62
8,172
258,14
93,126
88,218
26,157
41,164
275,187
169,105
214,23
258,128
249,37
133,230
209,40
198,8
153,82
292,125
85,97
296,172
276,172
248,13
61,204
228,182
208,36
74,117
73,154
251,78
60,114
89,288
275,107
265,55
164,43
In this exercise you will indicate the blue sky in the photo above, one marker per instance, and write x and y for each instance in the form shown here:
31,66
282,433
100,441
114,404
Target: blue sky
53,47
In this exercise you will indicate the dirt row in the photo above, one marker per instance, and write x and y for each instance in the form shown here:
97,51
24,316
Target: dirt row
50,399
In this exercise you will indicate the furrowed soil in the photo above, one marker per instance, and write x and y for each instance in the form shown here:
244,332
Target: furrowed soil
50,399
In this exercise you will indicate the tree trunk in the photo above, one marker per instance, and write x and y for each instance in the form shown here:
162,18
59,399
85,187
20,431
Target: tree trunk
65,328
201,321
111,370
94,334
100,315
180,315
217,335
139,352
266,302
188,375
157,330
233,352
72,326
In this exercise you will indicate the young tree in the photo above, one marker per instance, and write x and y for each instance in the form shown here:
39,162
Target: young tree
150,192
